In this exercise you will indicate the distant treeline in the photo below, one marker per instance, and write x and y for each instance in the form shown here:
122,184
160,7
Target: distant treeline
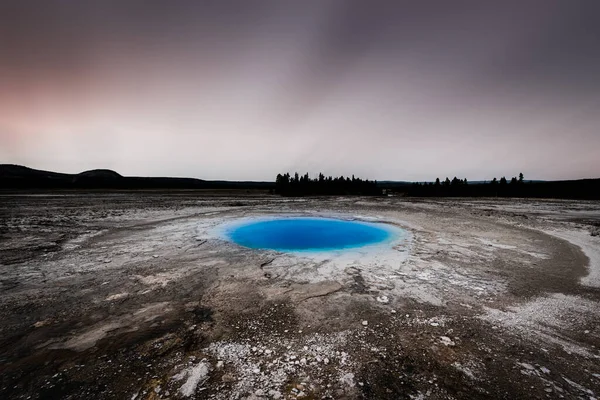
17,177
516,187
287,185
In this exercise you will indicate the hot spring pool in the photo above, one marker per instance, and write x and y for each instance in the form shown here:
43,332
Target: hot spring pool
310,234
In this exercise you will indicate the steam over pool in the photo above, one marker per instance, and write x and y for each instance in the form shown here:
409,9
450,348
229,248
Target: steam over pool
310,234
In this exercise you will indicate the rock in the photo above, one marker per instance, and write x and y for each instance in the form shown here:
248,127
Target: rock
220,364
227,378
365,323
256,371
155,256
383,299
347,380
39,324
446,341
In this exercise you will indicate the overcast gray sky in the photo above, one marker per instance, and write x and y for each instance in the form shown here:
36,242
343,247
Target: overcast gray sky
246,89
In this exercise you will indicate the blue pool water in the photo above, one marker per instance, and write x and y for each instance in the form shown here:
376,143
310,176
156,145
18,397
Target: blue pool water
308,234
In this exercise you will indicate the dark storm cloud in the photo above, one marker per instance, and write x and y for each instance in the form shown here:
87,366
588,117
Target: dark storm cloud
457,87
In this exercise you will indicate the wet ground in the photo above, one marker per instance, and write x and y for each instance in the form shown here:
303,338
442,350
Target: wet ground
136,296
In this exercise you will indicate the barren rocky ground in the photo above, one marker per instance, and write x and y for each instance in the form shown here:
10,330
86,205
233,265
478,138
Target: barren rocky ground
137,296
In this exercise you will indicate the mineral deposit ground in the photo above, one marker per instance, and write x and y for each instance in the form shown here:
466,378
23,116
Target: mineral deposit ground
137,296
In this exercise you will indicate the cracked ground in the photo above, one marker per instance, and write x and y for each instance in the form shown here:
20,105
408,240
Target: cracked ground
137,296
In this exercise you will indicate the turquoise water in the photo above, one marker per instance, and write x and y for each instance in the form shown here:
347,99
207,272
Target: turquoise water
308,234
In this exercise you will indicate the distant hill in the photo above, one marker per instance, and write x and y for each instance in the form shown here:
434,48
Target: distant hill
11,171
20,177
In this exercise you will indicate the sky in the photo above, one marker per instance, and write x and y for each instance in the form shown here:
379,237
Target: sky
243,90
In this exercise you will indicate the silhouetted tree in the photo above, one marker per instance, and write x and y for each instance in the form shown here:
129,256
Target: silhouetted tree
304,186
579,189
